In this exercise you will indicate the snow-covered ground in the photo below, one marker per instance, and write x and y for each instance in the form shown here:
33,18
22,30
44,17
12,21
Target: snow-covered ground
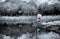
50,35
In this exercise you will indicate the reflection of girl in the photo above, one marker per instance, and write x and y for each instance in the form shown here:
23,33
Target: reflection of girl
38,24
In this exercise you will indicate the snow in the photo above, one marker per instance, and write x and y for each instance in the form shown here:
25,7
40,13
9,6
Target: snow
50,35
51,23
2,0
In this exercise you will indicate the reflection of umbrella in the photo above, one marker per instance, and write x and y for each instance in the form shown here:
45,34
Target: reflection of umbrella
39,16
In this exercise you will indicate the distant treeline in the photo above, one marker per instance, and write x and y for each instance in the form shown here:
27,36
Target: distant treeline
19,12
54,11
31,11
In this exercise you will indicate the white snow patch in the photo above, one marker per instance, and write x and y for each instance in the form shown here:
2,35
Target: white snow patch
50,35
26,0
51,23
2,0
